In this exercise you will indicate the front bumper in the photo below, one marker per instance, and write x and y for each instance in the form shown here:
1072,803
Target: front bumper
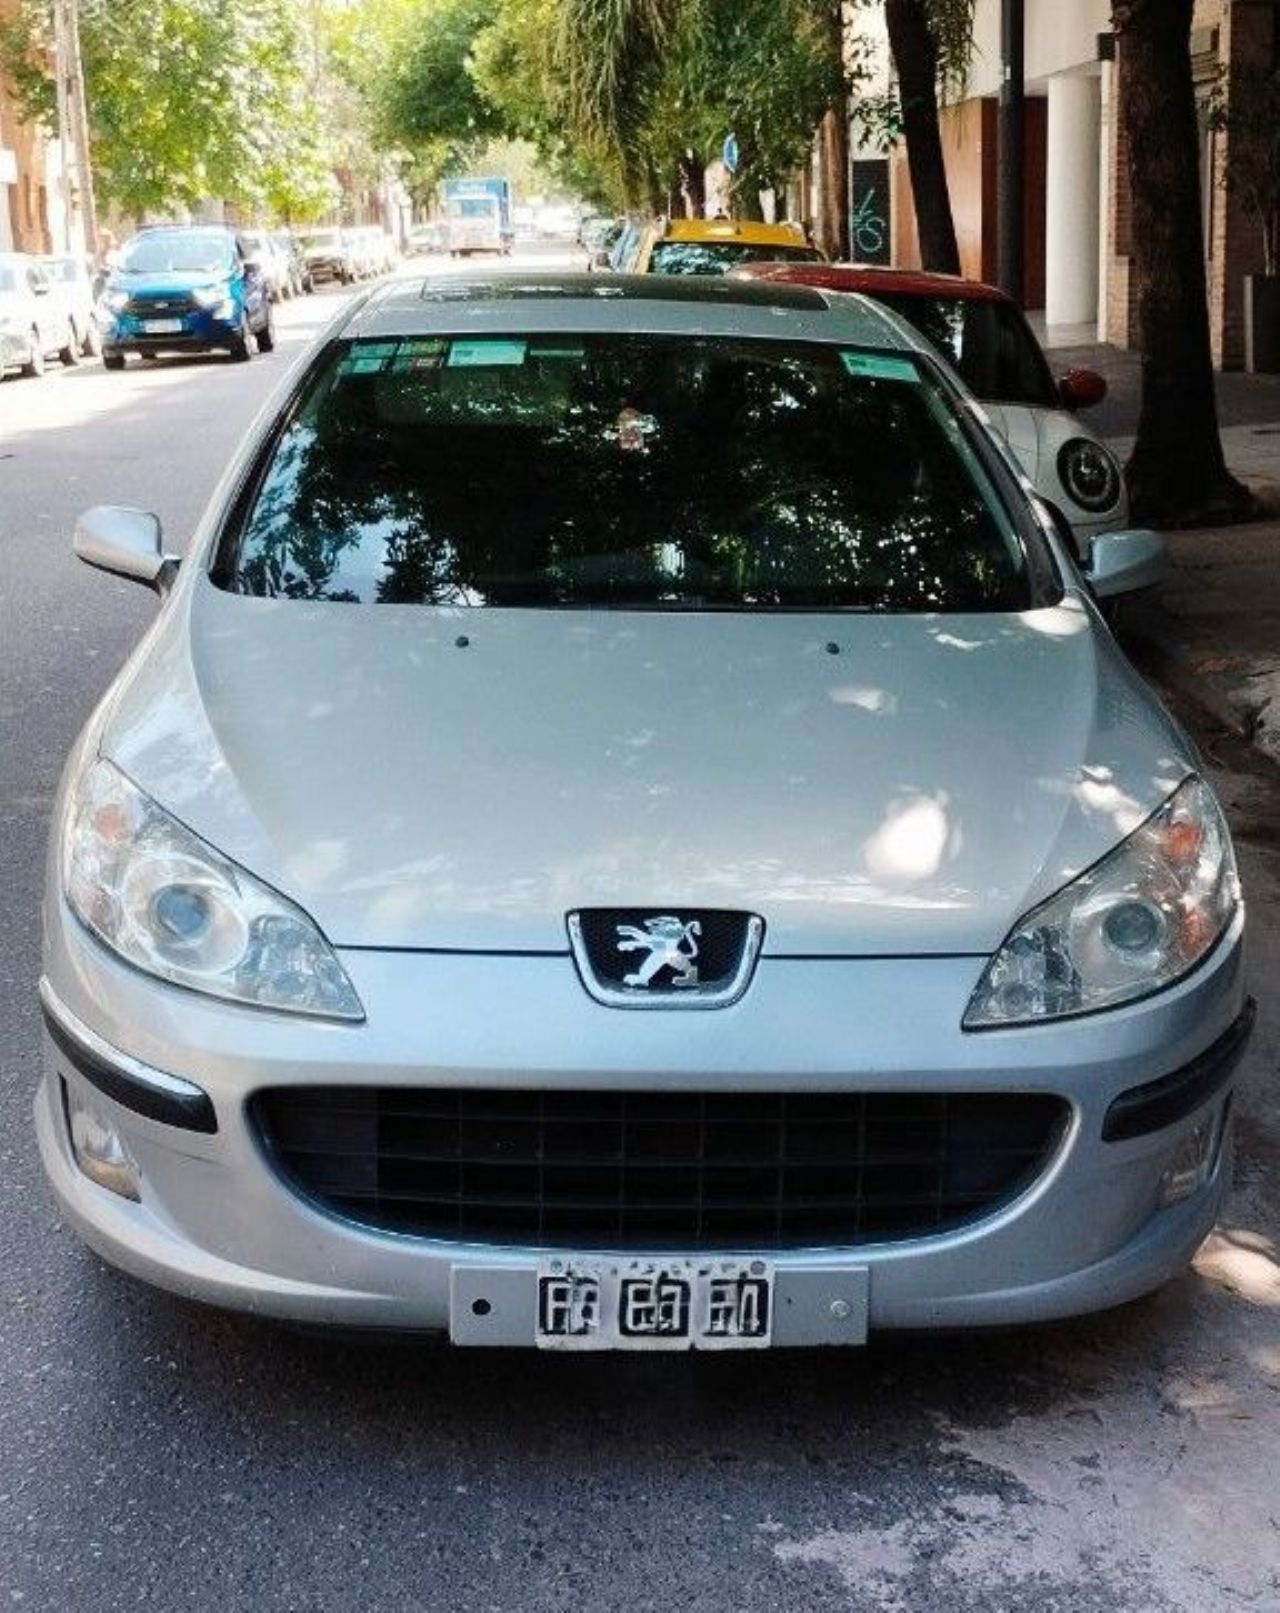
15,350
216,1223
201,331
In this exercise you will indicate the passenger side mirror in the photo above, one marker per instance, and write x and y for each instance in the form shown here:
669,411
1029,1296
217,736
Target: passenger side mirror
1122,562
601,260
1082,389
126,542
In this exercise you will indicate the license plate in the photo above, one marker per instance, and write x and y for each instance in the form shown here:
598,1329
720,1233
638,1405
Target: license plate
586,1303
161,327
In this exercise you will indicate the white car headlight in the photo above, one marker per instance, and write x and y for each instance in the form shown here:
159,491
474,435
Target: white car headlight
167,903
114,301
1129,926
1090,474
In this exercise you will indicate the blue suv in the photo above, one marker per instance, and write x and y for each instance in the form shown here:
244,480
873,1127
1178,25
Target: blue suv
185,289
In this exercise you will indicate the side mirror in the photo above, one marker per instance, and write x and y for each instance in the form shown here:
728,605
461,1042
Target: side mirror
1082,389
127,543
1122,562
600,260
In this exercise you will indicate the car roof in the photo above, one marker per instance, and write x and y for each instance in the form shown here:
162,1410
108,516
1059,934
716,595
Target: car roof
731,229
662,304
873,280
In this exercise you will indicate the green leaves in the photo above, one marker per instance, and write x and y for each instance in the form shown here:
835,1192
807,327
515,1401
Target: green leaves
188,99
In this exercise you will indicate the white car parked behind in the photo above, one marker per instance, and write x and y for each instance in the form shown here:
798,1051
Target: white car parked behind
34,323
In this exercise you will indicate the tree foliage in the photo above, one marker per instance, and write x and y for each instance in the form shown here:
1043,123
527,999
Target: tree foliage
188,99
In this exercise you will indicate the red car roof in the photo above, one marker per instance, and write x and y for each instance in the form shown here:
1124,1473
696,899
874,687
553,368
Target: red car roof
872,280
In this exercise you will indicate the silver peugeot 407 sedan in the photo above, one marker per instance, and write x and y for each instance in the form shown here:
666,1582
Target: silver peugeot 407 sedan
629,831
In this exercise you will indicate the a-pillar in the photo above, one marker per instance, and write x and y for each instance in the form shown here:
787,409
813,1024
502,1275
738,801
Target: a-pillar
1071,200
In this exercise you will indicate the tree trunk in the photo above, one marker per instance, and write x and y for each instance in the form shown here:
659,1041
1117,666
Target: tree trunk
1177,474
916,61
833,158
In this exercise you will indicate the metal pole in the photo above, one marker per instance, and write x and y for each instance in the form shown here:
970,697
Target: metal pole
1011,165
80,126
64,119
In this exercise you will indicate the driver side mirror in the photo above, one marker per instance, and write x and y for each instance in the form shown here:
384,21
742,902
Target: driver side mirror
127,543
600,260
1122,562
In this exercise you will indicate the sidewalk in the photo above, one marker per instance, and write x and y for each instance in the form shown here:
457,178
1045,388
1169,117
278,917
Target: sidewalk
1212,631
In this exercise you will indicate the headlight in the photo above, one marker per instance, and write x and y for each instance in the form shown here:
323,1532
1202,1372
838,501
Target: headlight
1132,924
1089,474
214,297
167,903
114,301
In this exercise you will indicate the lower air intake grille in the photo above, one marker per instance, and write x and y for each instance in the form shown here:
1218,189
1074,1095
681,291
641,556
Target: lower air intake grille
658,1170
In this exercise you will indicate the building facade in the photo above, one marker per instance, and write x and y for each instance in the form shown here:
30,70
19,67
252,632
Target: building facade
1076,203
32,212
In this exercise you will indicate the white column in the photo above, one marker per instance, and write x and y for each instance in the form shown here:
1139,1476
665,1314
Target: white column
1071,200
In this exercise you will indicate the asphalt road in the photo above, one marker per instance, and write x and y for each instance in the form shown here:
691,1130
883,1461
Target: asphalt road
155,1455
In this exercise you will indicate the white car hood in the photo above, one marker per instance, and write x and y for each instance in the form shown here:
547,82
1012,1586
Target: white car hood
913,793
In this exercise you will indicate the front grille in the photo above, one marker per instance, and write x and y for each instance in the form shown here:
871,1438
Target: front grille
168,305
658,1170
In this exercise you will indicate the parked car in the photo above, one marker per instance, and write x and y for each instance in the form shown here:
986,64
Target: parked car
985,335
366,241
697,246
35,323
260,248
817,925
71,282
328,255
427,238
185,289
287,245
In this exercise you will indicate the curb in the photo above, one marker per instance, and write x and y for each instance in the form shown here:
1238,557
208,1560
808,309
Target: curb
1157,645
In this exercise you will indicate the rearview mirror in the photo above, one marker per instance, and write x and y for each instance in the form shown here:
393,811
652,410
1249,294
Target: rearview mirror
127,543
1082,389
1122,562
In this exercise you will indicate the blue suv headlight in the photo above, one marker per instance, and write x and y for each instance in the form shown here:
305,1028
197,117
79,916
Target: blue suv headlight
215,300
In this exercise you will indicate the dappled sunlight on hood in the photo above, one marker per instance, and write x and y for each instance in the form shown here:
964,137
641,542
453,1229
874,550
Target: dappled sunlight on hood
1059,621
911,842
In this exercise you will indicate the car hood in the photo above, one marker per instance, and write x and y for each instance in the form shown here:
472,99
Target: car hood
161,281
426,778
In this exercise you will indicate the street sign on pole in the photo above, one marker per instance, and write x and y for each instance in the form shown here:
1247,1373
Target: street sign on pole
729,155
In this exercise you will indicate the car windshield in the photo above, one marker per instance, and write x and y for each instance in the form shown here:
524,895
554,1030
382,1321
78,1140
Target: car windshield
638,471
718,257
320,238
989,342
187,251
61,268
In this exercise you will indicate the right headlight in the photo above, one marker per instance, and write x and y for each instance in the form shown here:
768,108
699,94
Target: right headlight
1089,473
165,901
1129,926
114,301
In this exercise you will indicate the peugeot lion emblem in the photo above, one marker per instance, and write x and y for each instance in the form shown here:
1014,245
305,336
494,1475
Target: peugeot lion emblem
671,943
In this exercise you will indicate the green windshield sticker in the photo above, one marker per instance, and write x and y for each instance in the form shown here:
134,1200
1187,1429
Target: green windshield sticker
483,354
880,367
419,355
367,358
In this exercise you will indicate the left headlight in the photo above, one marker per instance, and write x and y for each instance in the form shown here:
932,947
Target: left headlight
1129,926
1089,473
167,903
214,299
